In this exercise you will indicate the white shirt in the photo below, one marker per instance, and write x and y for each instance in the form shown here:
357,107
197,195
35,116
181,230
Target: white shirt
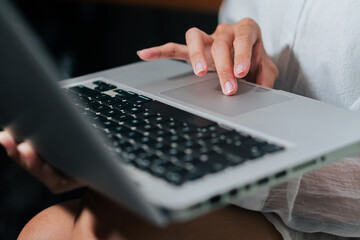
316,46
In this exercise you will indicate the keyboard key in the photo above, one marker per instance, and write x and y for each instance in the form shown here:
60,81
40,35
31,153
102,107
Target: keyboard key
159,119
86,103
100,96
146,128
189,144
172,139
145,114
176,177
122,94
102,83
233,136
121,117
249,142
85,91
132,135
104,88
235,160
99,82
122,105
142,163
169,172
99,108
110,101
134,122
185,130
133,110
158,133
211,141
173,152
110,112
76,98
133,149
147,140
97,119
217,161
105,124
172,124
119,129
87,114
199,135
121,144
192,175
159,146
140,99
202,150
178,114
202,168
271,148
158,170
216,131
234,151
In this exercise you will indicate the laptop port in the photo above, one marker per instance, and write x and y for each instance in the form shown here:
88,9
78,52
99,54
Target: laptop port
215,200
304,165
263,181
233,192
280,174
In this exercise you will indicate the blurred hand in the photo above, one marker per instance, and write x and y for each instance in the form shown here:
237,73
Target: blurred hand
234,51
27,158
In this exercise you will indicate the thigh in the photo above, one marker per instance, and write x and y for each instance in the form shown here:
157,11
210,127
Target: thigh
55,223
101,219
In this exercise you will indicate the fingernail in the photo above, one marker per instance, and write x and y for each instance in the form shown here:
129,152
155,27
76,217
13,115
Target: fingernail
25,158
228,88
239,69
1,138
199,67
139,52
22,151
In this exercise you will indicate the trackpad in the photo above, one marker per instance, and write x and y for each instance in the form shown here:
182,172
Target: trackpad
208,95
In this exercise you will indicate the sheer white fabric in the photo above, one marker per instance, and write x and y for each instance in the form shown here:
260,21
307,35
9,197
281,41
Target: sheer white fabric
316,45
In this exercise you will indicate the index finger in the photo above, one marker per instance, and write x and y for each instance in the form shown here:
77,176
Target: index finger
166,51
246,35
221,51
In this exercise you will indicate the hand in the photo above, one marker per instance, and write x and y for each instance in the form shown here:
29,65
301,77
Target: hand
27,158
234,51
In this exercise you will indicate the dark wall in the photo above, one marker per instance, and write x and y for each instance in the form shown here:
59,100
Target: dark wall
84,38
95,36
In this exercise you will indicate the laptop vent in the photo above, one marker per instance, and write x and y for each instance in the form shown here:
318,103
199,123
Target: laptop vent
223,199
305,165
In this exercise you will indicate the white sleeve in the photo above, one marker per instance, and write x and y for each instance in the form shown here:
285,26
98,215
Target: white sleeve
232,11
324,200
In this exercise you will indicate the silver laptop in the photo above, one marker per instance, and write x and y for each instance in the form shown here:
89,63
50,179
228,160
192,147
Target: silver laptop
158,139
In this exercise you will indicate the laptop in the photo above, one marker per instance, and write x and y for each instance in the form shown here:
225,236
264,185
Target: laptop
157,139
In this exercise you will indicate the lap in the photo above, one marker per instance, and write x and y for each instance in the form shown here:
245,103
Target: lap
99,218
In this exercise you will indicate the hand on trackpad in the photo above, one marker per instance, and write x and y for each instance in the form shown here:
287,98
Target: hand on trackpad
208,95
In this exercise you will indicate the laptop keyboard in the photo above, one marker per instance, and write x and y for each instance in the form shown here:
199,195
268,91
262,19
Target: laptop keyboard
167,142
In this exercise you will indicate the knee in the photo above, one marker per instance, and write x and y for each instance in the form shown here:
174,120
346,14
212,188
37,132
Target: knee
54,223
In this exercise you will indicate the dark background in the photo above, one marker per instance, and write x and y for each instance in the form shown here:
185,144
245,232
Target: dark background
85,37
